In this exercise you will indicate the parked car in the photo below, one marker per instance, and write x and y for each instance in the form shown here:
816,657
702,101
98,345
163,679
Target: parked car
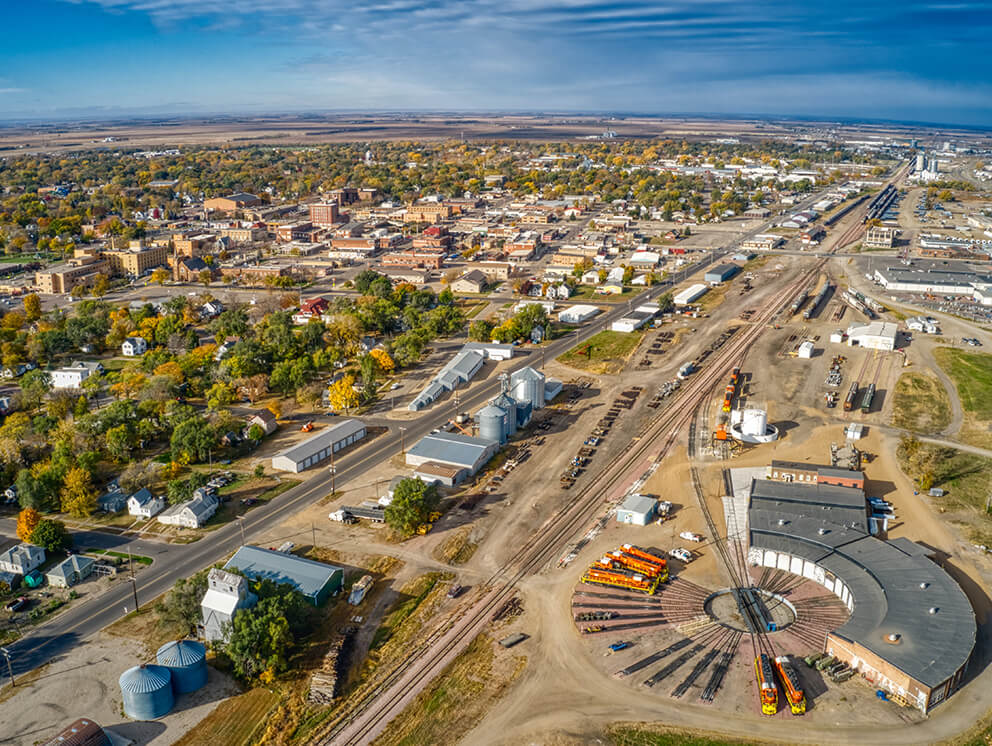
17,604
455,590
681,554
689,536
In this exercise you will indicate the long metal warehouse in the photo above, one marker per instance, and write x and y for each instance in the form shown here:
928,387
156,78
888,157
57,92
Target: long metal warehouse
319,446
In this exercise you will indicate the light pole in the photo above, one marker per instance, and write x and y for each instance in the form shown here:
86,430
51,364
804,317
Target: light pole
10,671
403,440
333,470
134,580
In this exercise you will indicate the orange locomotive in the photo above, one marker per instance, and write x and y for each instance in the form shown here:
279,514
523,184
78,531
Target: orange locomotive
767,689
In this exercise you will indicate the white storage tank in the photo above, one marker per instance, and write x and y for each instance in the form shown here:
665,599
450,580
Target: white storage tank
754,422
492,423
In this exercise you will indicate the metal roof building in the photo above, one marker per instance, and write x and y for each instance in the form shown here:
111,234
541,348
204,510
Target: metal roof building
721,272
315,580
453,449
911,630
637,509
319,446
951,278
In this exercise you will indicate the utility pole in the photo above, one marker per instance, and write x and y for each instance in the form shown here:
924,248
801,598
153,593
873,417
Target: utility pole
403,440
134,580
333,470
313,531
10,671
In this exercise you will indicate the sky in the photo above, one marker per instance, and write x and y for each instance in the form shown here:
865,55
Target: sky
898,60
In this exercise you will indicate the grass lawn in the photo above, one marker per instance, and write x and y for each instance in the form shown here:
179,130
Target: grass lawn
588,292
228,511
921,404
235,720
605,352
140,559
471,309
415,592
972,376
456,549
632,735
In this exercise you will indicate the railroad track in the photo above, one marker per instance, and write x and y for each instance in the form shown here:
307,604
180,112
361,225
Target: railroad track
373,710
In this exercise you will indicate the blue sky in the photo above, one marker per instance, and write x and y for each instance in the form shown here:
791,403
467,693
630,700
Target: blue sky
922,61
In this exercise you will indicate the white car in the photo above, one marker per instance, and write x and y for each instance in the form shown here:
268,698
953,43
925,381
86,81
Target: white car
689,536
681,554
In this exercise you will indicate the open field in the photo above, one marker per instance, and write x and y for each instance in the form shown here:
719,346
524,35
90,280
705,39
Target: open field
605,352
654,735
972,376
921,404
236,720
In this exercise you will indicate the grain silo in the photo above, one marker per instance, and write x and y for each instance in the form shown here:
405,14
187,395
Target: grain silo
492,423
147,692
528,385
506,402
187,662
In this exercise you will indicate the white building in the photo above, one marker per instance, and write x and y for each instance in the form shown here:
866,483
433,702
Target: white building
805,350
577,314
694,292
983,294
878,335
637,510
143,504
192,513
319,446
134,347
226,594
68,378
22,559
631,322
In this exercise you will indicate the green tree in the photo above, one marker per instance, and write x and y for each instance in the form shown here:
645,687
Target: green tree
101,284
256,433
412,505
34,385
181,606
118,443
32,306
446,297
260,640
480,330
52,535
193,438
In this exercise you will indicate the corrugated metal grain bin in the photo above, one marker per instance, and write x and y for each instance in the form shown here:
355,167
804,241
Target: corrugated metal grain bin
187,662
147,692
492,423
82,732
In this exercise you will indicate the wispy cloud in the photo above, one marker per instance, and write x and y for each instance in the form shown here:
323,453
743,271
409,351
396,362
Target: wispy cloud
11,91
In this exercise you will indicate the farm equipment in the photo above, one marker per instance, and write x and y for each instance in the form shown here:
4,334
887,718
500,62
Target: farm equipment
307,427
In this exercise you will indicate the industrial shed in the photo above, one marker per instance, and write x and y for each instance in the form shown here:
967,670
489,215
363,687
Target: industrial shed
453,449
637,509
319,446
577,314
687,296
432,471
912,629
631,322
878,335
721,273
315,580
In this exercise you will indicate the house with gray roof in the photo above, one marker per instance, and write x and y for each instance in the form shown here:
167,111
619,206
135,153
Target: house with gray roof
72,570
22,559
143,504
192,513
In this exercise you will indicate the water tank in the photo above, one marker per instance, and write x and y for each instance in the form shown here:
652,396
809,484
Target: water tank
754,422
509,404
187,662
147,692
527,385
492,423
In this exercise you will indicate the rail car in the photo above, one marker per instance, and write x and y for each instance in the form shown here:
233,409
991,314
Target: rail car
791,685
617,579
767,689
852,397
820,297
798,302
618,560
867,399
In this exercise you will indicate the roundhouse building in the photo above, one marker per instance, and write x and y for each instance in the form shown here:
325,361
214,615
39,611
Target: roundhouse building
911,630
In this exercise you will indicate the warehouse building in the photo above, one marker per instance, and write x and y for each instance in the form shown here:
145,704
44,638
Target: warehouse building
721,273
878,335
459,371
690,294
632,321
319,446
577,314
452,449
315,580
911,631
944,278
637,510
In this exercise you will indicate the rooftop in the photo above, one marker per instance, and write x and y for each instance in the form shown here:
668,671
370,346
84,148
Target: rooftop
319,441
306,576
451,448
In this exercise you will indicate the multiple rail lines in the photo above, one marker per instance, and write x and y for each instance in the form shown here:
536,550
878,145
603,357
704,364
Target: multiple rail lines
372,710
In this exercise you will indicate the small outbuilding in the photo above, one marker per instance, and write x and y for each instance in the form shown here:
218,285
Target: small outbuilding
72,570
637,510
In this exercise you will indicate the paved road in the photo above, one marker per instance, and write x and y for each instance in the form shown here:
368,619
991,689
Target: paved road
173,562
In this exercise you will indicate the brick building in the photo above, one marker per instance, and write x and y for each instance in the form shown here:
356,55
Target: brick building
254,274
136,261
427,212
800,471
232,202
325,214
414,258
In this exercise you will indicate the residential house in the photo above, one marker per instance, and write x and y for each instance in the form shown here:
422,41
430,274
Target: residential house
22,559
72,570
134,347
112,501
68,378
472,281
192,513
264,419
211,309
223,349
143,504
